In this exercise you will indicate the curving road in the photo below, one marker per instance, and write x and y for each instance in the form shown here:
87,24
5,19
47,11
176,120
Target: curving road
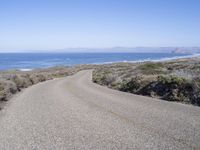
74,113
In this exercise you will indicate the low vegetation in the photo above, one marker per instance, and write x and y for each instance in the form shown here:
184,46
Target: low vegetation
14,81
176,80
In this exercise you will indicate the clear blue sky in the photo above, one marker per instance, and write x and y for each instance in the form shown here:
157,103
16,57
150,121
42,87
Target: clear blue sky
57,24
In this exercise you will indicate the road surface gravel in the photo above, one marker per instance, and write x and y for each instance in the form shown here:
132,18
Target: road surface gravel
74,113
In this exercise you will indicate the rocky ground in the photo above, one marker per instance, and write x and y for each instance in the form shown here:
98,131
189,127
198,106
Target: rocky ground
176,80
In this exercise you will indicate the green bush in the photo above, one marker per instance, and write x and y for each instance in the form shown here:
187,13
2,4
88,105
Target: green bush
7,89
171,80
131,85
151,68
153,79
175,88
22,81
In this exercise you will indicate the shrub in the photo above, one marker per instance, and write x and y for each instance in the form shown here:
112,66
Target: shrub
36,78
175,88
195,96
7,89
13,81
22,81
171,80
151,68
131,85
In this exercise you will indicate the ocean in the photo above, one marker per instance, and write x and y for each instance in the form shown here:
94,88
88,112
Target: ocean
28,61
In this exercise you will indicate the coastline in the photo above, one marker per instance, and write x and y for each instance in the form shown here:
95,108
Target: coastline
13,81
176,58
27,61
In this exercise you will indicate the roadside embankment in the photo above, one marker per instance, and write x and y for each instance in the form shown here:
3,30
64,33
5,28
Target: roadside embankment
175,80
13,81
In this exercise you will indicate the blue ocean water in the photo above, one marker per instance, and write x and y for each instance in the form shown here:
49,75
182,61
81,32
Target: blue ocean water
25,61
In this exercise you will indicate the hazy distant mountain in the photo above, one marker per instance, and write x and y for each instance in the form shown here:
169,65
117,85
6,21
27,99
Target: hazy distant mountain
181,50
187,50
120,50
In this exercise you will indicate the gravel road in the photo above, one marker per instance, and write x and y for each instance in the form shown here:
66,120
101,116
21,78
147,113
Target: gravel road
74,113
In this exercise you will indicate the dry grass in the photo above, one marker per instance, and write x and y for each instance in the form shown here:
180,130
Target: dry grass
13,81
177,80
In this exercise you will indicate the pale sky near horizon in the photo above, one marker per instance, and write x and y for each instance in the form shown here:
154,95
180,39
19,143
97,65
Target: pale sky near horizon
58,24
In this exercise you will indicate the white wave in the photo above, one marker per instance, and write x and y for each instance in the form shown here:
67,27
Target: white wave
25,69
176,57
149,59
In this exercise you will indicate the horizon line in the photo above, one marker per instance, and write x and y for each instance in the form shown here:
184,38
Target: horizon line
90,48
